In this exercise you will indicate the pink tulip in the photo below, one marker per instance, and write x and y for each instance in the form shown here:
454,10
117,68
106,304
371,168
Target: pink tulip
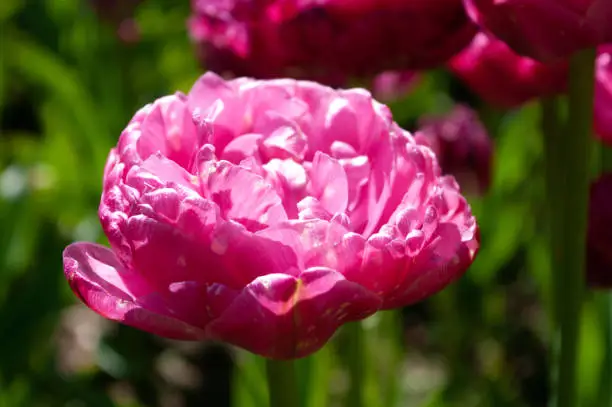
266,214
462,145
505,79
603,94
546,30
392,85
327,40
502,77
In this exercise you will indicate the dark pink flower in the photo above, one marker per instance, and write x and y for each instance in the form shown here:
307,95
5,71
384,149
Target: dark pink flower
505,79
266,214
328,40
392,85
502,77
462,145
603,94
545,30
599,240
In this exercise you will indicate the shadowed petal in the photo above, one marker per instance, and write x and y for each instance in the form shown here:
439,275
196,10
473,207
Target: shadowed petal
107,287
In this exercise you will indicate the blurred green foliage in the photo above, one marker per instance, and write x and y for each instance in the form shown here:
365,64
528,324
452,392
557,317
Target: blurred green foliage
68,86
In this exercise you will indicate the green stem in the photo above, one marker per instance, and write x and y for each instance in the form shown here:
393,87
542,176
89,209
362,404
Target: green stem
282,383
574,170
551,129
356,355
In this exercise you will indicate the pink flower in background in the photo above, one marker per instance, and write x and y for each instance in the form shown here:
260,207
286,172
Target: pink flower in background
599,238
546,30
327,40
266,214
503,78
119,13
603,94
392,85
462,145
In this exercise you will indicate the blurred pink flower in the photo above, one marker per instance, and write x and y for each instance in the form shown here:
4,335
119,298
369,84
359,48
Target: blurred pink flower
391,85
599,240
502,77
603,94
266,214
546,30
327,40
462,145
505,79
119,13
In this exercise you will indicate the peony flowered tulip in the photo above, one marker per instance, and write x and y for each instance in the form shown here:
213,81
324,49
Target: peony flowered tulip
329,40
266,214
603,94
546,30
462,145
599,238
502,77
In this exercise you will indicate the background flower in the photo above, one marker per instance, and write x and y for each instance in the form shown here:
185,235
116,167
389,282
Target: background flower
502,77
392,85
330,41
120,14
546,30
505,79
599,241
603,94
462,145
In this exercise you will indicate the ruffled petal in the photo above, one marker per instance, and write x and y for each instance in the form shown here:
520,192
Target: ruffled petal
284,317
107,287
242,195
329,183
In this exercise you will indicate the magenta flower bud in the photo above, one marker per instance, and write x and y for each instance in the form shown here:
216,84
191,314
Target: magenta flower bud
392,85
462,145
546,30
603,94
266,214
503,78
328,40
599,240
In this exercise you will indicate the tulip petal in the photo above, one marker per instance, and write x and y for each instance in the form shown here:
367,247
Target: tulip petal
168,129
284,317
107,287
329,183
243,196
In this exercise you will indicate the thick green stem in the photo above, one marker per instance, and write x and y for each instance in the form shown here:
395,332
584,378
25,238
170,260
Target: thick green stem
574,170
551,129
282,383
356,356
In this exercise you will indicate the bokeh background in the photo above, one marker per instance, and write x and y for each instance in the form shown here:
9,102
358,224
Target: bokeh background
71,78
